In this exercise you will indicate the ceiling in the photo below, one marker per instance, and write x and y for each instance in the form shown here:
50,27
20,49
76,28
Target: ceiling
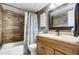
29,6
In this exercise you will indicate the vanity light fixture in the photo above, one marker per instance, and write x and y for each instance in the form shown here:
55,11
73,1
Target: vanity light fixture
54,5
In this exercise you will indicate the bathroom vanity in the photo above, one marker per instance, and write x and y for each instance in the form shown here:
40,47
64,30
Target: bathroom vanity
49,44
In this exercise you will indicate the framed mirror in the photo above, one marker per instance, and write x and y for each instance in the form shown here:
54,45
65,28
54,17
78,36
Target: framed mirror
62,17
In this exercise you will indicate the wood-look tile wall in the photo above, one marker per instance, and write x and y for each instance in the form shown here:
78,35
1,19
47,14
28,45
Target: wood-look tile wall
1,23
12,26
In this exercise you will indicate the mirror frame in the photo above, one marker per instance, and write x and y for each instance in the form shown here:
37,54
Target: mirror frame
59,28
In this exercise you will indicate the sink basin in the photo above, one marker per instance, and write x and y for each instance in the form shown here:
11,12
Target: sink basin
66,38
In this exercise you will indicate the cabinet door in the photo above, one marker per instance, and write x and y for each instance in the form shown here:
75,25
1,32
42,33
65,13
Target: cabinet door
44,50
49,51
41,49
58,53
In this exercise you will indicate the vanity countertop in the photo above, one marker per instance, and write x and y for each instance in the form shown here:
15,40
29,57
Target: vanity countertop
63,38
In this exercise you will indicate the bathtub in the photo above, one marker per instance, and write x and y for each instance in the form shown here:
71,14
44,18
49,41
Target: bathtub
15,48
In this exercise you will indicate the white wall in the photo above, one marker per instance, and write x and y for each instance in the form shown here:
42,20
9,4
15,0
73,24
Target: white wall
71,18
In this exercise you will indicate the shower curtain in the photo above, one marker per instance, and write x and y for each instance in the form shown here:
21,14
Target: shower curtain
31,30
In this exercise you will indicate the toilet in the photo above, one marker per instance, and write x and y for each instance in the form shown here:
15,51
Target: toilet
32,49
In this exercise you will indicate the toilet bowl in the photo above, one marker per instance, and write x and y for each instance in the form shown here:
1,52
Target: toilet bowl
32,49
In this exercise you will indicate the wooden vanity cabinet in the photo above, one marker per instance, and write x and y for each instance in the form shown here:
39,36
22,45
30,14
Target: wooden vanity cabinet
47,46
44,50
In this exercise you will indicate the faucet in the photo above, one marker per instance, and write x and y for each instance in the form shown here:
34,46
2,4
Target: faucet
58,33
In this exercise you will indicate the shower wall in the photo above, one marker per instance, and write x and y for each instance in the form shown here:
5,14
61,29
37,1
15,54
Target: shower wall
1,10
12,26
